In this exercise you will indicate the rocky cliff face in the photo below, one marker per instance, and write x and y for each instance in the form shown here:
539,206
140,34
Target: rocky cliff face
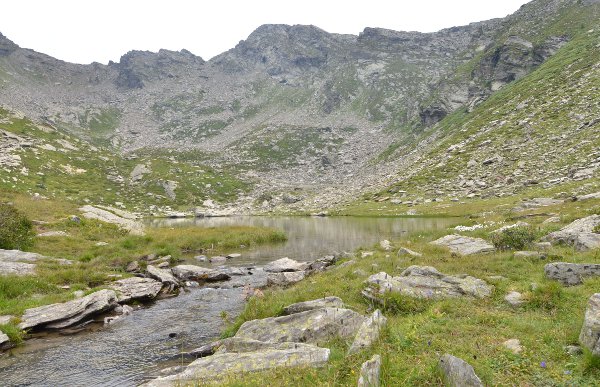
293,105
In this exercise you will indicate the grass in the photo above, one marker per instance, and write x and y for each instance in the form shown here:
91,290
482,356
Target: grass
418,331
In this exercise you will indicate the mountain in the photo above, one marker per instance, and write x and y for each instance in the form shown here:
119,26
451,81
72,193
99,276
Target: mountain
312,119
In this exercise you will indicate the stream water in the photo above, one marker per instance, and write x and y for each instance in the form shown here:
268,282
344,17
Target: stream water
136,348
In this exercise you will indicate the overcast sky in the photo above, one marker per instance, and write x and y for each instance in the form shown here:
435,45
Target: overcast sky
85,31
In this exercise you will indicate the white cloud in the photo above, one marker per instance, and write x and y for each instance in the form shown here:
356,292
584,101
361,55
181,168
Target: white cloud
85,31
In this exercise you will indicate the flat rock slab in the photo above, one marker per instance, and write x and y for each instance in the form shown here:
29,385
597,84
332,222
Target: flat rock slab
578,234
426,282
285,278
458,373
220,365
135,288
571,274
19,256
590,331
16,262
368,332
285,265
370,372
313,326
57,316
163,275
327,302
464,245
122,219
197,273
17,268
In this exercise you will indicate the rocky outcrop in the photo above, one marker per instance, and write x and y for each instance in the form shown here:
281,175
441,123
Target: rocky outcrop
571,274
463,245
197,273
163,275
590,331
57,316
285,265
125,222
313,326
327,302
370,372
579,234
134,288
458,373
368,332
426,282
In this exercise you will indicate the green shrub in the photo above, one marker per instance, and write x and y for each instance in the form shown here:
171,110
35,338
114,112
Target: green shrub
516,238
16,231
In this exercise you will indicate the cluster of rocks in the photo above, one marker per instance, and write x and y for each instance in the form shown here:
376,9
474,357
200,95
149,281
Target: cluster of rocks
284,272
291,340
16,262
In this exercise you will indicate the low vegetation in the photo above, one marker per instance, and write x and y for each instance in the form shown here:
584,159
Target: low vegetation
16,231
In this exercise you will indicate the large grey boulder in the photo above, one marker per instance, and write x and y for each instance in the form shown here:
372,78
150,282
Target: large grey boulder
285,265
17,268
368,332
327,302
426,282
464,245
458,373
370,372
163,275
197,273
134,288
571,274
313,326
590,331
124,220
578,234
285,278
273,355
56,316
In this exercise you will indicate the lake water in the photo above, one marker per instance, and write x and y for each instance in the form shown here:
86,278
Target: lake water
136,348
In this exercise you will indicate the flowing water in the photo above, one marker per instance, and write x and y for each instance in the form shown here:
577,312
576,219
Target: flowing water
136,348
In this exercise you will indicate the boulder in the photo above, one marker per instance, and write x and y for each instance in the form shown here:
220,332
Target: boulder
16,262
571,274
385,245
591,196
529,254
313,326
134,288
514,299
16,268
124,220
458,373
513,345
217,259
406,251
233,256
197,273
370,372
163,275
590,331
56,316
285,278
327,302
368,332
282,355
463,245
4,340
579,234
285,265
426,282
320,264
132,266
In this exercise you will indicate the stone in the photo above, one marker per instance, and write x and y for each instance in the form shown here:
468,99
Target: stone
285,278
513,345
6,319
163,275
458,373
529,254
589,197
101,244
578,234
589,336
426,282
134,288
573,350
197,273
132,266
16,262
233,256
122,219
53,234
17,268
368,332
327,302
4,340
201,258
219,365
543,246
406,251
217,259
514,299
313,326
571,274
366,254
463,245
537,203
370,372
57,316
285,264
552,219
385,245
163,265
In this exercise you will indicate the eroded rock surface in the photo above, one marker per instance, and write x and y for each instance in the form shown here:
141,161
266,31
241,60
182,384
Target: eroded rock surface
163,275
285,265
571,274
590,331
464,245
459,373
370,372
579,234
368,332
285,278
121,219
327,302
197,273
134,288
